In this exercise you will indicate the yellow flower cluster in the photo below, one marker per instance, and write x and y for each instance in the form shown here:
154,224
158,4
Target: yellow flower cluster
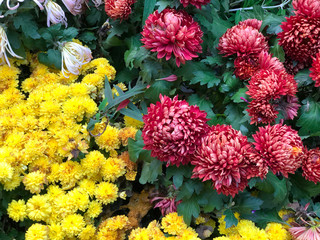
42,130
246,230
171,224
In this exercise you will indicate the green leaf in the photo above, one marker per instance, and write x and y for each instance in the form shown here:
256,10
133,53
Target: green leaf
52,58
69,33
245,203
94,16
273,22
263,217
235,115
188,208
277,51
27,24
214,200
303,78
302,188
135,147
153,92
135,56
149,6
150,171
309,121
230,219
241,93
205,77
203,103
216,60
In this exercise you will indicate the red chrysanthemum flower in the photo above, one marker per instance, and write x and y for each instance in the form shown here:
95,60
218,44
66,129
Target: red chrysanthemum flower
196,3
173,130
315,70
300,38
242,40
172,32
267,62
271,92
118,9
255,23
308,8
311,165
280,146
227,158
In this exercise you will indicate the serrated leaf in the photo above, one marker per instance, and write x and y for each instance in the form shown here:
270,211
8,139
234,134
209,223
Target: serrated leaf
69,33
149,6
273,22
52,58
241,93
303,78
263,217
230,219
309,121
203,103
302,188
150,171
235,115
135,147
216,60
188,208
278,51
245,203
27,24
215,200
205,77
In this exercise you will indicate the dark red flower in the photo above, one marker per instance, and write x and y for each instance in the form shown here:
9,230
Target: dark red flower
245,67
300,38
172,32
280,147
118,9
311,165
242,40
227,158
315,70
307,8
173,130
196,3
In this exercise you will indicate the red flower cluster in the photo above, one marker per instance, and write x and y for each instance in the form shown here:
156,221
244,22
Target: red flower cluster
197,3
173,130
227,158
311,165
243,40
307,8
172,32
280,147
315,70
118,9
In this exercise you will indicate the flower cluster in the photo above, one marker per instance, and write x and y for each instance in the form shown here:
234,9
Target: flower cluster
172,32
246,230
300,37
42,133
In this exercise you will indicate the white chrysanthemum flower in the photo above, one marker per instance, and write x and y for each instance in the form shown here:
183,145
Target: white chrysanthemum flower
55,14
5,47
38,2
97,3
76,7
73,57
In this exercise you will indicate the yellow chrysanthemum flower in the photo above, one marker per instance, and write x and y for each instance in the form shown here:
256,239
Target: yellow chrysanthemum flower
38,207
247,229
131,122
80,198
37,232
140,234
78,107
104,233
88,186
106,192
14,183
173,224
79,89
9,77
17,210
87,233
112,169
6,172
94,209
188,234
101,67
94,80
109,140
222,226
199,220
221,238
126,133
73,224
56,232
122,86
276,231
34,181
70,173
119,222
92,163
54,191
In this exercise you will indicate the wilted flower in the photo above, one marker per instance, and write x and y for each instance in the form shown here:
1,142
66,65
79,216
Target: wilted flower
305,233
307,8
173,130
311,165
166,204
242,40
227,158
38,2
76,7
315,70
73,57
197,3
172,32
300,38
55,14
5,47
280,147
118,9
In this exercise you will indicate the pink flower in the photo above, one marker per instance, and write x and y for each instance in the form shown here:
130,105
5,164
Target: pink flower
255,23
197,3
307,8
173,130
166,204
242,40
172,32
280,147
315,70
300,38
311,165
171,78
305,233
76,7
227,158
118,9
